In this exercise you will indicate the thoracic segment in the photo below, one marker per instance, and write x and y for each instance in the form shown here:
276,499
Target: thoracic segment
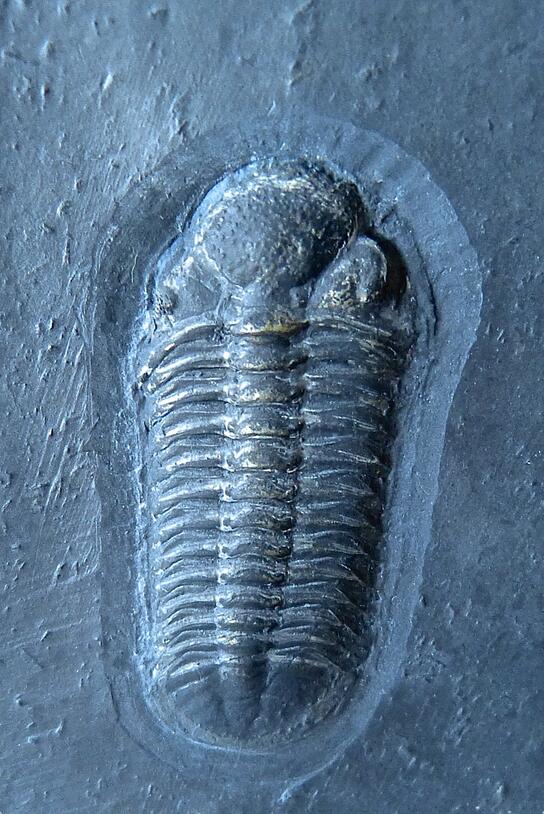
227,470
268,456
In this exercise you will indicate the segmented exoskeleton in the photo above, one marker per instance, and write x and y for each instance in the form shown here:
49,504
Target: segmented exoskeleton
268,370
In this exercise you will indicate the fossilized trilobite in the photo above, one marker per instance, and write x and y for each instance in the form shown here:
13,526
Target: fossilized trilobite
268,369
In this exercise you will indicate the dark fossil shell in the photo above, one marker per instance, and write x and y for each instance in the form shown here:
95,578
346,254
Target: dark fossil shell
268,369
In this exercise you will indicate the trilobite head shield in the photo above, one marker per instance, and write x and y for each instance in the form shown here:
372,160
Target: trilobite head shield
267,231
275,220
267,392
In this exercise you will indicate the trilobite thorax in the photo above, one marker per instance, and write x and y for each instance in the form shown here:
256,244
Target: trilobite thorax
268,370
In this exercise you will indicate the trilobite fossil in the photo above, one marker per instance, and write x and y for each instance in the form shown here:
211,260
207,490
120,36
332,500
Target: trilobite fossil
267,376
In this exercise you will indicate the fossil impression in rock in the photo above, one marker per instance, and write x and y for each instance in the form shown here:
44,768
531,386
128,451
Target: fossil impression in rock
267,375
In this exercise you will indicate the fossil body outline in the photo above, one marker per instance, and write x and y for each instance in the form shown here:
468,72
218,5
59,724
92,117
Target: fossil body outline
268,369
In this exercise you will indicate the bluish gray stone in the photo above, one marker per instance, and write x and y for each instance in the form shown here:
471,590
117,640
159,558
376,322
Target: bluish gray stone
95,97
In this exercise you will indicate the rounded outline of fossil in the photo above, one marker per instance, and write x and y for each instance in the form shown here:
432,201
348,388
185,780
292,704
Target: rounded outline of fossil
214,674
408,211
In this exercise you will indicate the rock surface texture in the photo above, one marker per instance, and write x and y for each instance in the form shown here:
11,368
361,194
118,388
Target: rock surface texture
95,98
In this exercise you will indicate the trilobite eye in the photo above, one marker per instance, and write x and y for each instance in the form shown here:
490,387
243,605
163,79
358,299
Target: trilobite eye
371,266
356,277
